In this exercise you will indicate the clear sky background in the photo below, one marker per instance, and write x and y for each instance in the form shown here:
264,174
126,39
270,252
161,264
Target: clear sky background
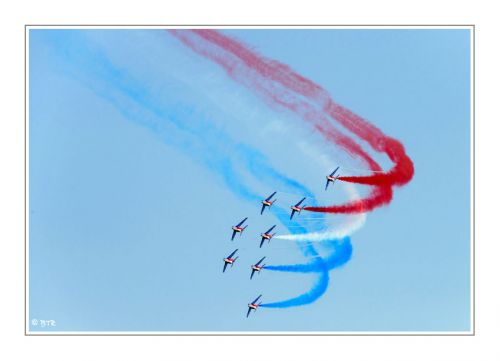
128,226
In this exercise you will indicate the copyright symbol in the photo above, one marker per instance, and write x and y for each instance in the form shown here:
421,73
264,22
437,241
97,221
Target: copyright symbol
34,322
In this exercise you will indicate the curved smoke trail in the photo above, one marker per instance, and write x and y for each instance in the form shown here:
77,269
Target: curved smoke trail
400,174
342,251
340,255
280,86
306,298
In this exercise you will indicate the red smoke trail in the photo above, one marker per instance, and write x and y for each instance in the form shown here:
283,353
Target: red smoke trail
378,197
283,74
400,174
267,68
274,96
254,71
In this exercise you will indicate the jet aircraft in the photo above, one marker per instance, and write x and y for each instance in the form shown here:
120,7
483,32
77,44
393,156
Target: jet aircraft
229,260
254,305
331,178
267,235
238,228
297,207
267,202
257,267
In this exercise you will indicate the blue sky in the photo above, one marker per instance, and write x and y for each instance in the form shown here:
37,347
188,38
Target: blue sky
130,217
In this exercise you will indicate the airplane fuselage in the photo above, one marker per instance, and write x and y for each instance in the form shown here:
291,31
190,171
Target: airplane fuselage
257,268
295,208
237,229
331,178
229,260
266,236
253,306
267,203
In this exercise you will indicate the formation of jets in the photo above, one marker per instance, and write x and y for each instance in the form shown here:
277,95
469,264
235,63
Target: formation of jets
267,235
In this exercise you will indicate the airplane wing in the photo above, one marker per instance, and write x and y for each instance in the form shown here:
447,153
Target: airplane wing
253,271
271,196
336,169
327,183
234,234
232,254
249,309
258,263
224,269
293,212
302,200
256,299
263,207
261,242
239,224
270,229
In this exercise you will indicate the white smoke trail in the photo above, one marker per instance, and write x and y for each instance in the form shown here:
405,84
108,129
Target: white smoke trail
353,223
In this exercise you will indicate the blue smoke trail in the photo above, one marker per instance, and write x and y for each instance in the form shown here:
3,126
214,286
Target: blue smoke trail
342,252
200,139
306,298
